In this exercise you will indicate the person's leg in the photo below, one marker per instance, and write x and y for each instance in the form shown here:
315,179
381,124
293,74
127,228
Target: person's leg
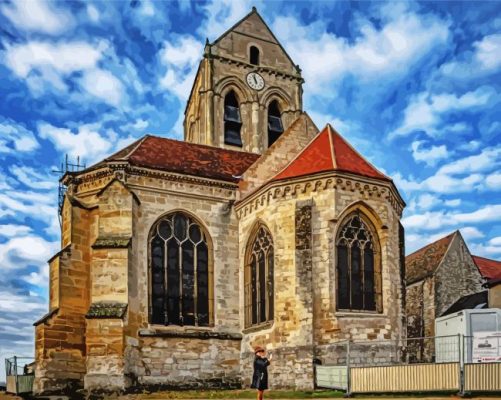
260,395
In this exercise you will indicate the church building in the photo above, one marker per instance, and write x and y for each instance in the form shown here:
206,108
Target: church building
178,258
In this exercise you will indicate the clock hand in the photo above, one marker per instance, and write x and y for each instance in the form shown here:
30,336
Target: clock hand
255,80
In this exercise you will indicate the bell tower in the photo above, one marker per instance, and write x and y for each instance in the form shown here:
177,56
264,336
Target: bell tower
247,90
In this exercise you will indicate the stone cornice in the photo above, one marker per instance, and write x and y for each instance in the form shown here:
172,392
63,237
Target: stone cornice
329,180
206,334
121,170
258,68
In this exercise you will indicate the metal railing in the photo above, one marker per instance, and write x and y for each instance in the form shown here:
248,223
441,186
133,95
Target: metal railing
438,363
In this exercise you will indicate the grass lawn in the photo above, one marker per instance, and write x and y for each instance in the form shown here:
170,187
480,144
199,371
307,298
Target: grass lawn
235,394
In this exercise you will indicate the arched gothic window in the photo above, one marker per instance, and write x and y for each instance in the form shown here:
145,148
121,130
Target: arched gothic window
179,272
275,127
358,267
232,120
259,278
254,55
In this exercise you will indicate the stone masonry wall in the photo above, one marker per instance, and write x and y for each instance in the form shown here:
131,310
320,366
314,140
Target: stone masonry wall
274,159
332,326
457,276
147,345
105,335
225,67
60,337
288,336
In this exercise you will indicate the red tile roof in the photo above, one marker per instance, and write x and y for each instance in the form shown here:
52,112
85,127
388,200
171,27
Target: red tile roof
328,151
185,158
489,269
425,261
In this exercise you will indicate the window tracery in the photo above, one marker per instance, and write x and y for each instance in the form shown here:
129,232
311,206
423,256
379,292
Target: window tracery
179,272
259,287
358,267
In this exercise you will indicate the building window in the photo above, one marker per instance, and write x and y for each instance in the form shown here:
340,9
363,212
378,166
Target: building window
259,279
254,55
275,127
232,120
179,272
358,267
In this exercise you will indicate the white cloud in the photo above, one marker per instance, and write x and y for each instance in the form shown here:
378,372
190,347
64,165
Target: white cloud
46,67
493,181
485,59
9,230
21,252
181,57
472,145
487,250
385,52
425,111
221,14
38,16
460,176
86,143
103,85
32,178
63,57
438,219
496,241
489,158
424,202
452,202
93,13
430,155
15,137
11,302
20,205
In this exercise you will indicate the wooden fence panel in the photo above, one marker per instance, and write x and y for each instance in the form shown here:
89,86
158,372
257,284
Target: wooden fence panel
405,378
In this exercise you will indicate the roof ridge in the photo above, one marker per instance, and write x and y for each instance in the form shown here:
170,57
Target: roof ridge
485,258
137,143
318,135
202,145
358,153
454,235
331,141
429,244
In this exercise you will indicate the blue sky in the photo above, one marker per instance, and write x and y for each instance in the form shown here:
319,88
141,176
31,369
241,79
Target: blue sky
415,87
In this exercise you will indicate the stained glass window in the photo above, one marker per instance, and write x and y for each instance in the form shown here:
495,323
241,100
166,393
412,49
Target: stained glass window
179,272
259,279
358,271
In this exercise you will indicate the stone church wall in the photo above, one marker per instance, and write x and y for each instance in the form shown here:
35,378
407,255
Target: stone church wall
332,326
60,336
306,323
166,355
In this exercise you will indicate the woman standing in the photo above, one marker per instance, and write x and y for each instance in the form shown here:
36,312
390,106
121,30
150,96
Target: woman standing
260,376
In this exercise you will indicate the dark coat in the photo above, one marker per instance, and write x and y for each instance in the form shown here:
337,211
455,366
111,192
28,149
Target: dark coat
260,376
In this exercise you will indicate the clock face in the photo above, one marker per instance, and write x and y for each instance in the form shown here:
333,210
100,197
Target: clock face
255,81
